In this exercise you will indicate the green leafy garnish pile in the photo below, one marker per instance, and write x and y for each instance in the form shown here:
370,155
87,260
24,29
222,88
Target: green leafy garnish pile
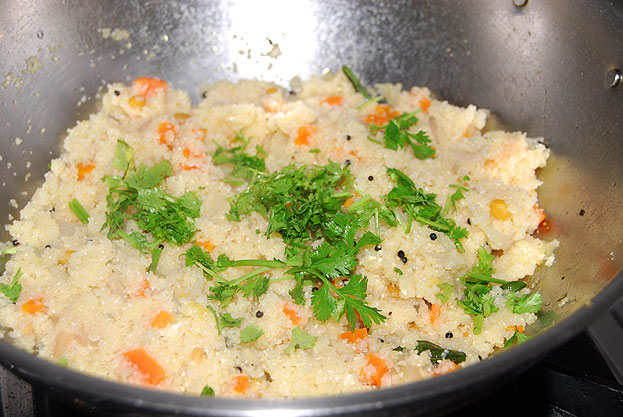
422,207
244,165
479,303
303,205
298,200
136,195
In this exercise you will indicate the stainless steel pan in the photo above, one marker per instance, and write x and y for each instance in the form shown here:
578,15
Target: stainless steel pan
545,67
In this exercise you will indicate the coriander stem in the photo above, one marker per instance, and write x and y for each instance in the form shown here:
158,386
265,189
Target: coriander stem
257,262
371,139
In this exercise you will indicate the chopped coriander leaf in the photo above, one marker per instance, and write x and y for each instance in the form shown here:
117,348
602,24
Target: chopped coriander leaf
438,353
398,349
517,337
456,196
314,151
136,196
398,271
483,271
228,321
514,286
529,303
245,165
207,391
79,211
155,258
13,289
359,87
300,340
396,135
62,362
297,200
124,156
445,290
421,207
250,333
350,300
9,251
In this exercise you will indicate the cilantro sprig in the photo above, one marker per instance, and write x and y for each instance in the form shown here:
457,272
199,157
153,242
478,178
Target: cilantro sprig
479,303
244,165
136,195
421,207
396,135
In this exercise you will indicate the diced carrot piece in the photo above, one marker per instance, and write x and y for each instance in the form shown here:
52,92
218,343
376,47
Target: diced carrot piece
207,245
354,336
435,312
445,367
166,138
162,320
144,287
374,370
137,102
186,153
513,328
84,169
151,372
288,310
239,383
424,104
147,86
333,100
271,90
303,135
33,306
382,115
349,202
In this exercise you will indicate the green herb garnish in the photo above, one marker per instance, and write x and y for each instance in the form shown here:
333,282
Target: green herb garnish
529,303
398,271
359,87
207,391
396,135
421,207
456,196
13,289
438,353
250,333
244,165
79,211
398,349
517,337
136,195
300,340
445,290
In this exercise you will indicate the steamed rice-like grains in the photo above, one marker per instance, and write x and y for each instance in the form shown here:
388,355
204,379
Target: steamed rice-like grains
99,301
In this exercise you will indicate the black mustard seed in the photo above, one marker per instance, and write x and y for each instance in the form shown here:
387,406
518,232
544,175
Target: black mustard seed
259,314
433,236
401,253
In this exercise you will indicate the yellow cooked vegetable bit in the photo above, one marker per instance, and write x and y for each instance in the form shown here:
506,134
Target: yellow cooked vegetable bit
136,102
499,209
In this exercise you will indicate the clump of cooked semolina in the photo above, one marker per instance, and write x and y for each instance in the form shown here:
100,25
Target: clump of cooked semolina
264,244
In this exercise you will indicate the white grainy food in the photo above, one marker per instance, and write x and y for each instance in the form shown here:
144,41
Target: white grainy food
94,299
